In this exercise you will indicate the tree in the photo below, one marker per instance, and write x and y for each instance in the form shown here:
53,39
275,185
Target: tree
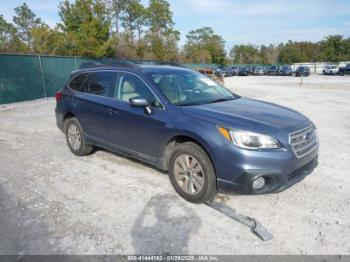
117,8
296,52
162,37
204,46
87,25
245,54
25,21
9,41
269,54
134,18
49,41
160,18
335,48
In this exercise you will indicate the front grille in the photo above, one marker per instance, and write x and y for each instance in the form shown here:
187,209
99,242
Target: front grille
303,141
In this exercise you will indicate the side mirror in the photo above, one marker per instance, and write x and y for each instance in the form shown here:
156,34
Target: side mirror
140,102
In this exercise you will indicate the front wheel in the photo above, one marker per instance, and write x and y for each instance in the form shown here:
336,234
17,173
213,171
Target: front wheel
192,174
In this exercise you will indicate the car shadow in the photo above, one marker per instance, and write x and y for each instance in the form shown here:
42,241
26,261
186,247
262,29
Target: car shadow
164,226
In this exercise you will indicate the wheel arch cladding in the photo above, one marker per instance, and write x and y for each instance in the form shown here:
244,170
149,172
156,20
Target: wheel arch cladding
180,139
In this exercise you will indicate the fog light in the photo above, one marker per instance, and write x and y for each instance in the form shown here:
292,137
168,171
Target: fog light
258,183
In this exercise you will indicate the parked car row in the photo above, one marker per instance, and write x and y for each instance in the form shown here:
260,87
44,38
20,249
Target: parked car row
260,70
275,70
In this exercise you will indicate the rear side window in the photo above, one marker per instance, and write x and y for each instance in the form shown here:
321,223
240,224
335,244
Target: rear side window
79,82
102,83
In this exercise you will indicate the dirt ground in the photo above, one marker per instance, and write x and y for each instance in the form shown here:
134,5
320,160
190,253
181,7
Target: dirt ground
52,202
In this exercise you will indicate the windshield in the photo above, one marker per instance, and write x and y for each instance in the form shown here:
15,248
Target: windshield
186,88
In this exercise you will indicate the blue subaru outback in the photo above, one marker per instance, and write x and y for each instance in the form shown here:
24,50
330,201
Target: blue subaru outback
183,122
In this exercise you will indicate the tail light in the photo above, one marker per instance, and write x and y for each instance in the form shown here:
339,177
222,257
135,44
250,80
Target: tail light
58,96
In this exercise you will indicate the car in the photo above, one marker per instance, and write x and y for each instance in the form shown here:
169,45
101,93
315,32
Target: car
330,70
244,71
226,72
272,70
258,71
206,137
302,71
286,71
234,70
344,70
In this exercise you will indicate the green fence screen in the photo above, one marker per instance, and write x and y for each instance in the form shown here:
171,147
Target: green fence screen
28,77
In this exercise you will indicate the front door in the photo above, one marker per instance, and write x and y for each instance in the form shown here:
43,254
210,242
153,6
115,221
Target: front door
133,129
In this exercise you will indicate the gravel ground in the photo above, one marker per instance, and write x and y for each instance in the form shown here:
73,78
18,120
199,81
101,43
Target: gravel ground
52,202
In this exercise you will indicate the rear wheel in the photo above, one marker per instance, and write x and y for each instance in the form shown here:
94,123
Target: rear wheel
192,174
75,138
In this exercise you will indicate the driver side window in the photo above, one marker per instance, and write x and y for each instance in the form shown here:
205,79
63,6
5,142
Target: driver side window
130,86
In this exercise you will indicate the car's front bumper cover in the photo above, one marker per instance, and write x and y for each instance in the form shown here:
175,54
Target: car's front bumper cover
281,169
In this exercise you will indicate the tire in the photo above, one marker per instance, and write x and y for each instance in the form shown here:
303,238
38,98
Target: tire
200,177
75,138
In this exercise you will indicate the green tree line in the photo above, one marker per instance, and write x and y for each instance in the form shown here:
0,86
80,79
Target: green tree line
128,29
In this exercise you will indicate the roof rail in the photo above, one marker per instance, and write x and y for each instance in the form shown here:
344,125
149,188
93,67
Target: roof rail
155,62
114,62
131,63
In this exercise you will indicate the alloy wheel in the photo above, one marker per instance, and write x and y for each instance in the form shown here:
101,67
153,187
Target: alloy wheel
189,174
74,137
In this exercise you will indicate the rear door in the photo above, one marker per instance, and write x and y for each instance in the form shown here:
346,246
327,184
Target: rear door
92,104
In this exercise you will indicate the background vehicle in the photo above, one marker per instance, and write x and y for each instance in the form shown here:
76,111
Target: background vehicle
226,72
181,121
272,70
234,70
258,71
243,71
250,69
330,70
344,70
302,71
285,71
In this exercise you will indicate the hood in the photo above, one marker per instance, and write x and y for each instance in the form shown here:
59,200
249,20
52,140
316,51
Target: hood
247,114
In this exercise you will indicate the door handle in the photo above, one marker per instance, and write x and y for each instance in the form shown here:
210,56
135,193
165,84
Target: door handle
113,111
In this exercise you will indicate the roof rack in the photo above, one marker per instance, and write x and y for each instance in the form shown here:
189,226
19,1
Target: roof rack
114,62
155,62
131,63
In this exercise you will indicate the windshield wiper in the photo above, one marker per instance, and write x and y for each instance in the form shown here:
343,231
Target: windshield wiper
221,100
205,102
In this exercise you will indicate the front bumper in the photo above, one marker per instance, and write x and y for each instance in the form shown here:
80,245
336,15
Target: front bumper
280,168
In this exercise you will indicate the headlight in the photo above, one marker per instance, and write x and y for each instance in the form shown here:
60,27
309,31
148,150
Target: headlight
249,140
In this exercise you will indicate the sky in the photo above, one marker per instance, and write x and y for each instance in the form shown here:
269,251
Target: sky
254,22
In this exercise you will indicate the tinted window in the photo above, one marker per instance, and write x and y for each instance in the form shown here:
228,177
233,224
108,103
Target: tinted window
131,86
79,82
102,83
